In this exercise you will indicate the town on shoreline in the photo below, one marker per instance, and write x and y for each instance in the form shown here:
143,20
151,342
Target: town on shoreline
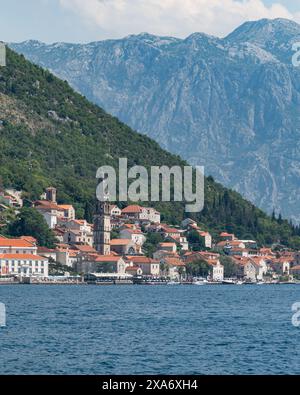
132,246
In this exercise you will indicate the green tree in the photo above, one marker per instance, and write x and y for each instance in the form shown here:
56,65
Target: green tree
196,242
230,268
198,268
151,244
29,222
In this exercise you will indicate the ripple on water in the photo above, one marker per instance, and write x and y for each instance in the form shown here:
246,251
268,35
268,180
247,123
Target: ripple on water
149,330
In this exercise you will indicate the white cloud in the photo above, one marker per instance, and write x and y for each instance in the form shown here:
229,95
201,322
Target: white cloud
118,18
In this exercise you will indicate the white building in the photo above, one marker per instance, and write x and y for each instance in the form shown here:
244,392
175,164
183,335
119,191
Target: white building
207,239
138,213
150,267
216,270
24,265
175,269
104,264
17,246
115,211
136,235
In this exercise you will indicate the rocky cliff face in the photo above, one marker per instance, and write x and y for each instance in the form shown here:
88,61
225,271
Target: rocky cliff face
232,104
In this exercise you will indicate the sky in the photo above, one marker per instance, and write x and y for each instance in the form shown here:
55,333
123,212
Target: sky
92,20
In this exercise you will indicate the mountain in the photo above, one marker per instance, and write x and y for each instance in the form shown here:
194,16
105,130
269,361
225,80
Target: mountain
232,104
51,135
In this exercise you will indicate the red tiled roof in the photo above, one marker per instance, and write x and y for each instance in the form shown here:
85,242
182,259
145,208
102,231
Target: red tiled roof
42,250
168,229
132,268
120,242
30,239
15,243
141,260
134,209
27,257
174,262
84,248
107,258
47,205
167,244
225,234
65,206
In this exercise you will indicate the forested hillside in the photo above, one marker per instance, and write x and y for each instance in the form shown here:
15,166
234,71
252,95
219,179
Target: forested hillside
50,135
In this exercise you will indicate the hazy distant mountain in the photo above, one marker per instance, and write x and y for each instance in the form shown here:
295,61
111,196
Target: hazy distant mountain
230,104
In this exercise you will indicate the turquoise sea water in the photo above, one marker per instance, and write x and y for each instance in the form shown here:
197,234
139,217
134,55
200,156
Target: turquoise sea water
149,330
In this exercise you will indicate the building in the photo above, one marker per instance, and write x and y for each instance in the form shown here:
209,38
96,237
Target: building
17,195
11,198
50,211
188,222
295,271
67,256
206,238
125,247
224,236
105,264
134,234
216,269
26,265
51,194
261,267
150,267
115,211
247,268
216,273
168,231
102,228
68,211
281,266
76,236
169,247
17,246
138,213
173,268
134,271
48,253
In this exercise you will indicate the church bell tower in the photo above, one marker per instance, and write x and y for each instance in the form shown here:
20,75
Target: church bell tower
102,226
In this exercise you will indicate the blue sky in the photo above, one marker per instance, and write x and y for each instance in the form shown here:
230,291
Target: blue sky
91,20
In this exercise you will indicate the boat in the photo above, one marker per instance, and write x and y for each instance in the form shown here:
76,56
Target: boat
228,281
173,283
200,282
